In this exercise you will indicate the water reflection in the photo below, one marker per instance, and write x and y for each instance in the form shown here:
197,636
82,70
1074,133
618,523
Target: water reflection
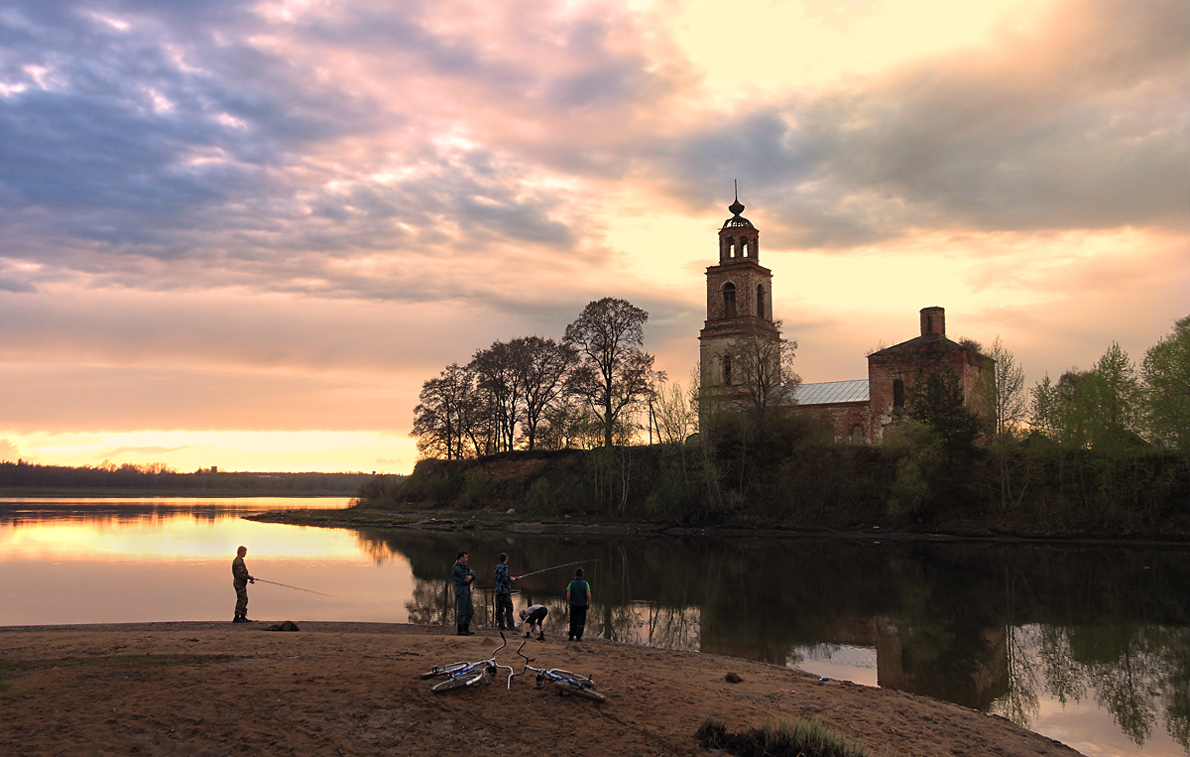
1088,645
1017,631
144,560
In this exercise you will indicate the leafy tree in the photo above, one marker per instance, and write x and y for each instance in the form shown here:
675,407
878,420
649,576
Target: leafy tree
1115,398
614,372
936,401
1166,371
1098,408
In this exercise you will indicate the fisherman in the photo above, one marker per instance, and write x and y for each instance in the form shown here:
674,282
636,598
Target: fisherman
240,578
504,581
463,576
535,614
578,595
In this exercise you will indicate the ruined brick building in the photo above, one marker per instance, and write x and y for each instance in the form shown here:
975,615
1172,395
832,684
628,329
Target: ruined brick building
739,306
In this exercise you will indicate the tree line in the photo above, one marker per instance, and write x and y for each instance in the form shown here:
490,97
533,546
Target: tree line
589,389
158,477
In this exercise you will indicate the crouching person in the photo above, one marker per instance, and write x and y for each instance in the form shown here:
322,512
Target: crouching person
534,614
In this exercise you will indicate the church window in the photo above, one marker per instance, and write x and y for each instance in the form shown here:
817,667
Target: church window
760,301
729,300
898,393
857,434
744,248
731,247
727,370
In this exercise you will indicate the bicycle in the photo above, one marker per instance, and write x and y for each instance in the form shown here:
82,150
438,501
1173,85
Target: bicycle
564,681
460,675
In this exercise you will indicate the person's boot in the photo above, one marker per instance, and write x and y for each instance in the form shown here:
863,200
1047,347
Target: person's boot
239,619
541,636
461,631
467,629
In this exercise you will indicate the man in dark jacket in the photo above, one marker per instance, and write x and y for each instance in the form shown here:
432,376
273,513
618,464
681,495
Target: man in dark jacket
463,576
578,596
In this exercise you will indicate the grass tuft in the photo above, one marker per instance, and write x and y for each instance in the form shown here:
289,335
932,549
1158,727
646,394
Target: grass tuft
802,738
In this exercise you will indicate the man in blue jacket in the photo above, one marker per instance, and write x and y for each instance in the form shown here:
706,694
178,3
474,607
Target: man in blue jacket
504,581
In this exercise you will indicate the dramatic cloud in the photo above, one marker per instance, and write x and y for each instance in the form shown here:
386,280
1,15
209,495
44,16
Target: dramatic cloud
284,215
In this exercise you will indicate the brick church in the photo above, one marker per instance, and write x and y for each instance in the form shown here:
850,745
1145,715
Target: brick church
739,304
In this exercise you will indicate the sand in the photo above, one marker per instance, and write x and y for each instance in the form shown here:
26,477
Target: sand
353,689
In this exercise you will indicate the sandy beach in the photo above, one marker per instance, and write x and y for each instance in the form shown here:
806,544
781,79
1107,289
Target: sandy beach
353,689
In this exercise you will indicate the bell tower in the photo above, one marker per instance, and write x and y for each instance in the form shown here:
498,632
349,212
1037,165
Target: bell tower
739,301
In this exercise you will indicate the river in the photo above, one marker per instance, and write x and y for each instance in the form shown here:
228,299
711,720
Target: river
1089,645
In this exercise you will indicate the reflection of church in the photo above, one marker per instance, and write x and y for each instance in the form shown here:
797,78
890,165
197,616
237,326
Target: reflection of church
970,669
739,306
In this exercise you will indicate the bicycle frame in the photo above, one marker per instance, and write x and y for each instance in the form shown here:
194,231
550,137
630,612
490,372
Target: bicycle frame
554,675
463,670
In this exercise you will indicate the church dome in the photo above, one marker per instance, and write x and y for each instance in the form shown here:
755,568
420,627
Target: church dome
737,220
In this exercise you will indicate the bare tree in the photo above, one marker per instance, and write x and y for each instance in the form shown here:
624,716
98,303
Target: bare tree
443,419
544,366
1004,388
676,414
499,370
614,371
761,369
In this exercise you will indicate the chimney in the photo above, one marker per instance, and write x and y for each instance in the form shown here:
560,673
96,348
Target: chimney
933,321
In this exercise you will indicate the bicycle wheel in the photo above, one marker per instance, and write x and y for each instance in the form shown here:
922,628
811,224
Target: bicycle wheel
470,678
579,690
445,670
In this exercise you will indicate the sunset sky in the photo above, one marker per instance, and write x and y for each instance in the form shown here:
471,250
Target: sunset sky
244,233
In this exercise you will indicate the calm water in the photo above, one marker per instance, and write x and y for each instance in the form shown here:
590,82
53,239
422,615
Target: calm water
1087,645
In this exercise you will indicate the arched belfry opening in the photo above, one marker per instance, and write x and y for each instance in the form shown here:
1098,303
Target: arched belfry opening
729,310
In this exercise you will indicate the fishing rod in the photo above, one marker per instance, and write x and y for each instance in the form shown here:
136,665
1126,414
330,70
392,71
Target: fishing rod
555,567
287,586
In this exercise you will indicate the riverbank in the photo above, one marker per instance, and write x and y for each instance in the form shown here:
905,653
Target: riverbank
512,522
352,688
1031,491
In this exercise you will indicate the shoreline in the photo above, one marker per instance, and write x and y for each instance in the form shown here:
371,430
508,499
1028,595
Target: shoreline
210,687
449,522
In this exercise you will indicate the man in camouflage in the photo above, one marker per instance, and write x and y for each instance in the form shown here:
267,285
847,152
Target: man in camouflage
240,578
462,575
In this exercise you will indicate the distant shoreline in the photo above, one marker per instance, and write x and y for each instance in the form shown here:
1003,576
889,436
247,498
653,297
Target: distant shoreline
55,492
